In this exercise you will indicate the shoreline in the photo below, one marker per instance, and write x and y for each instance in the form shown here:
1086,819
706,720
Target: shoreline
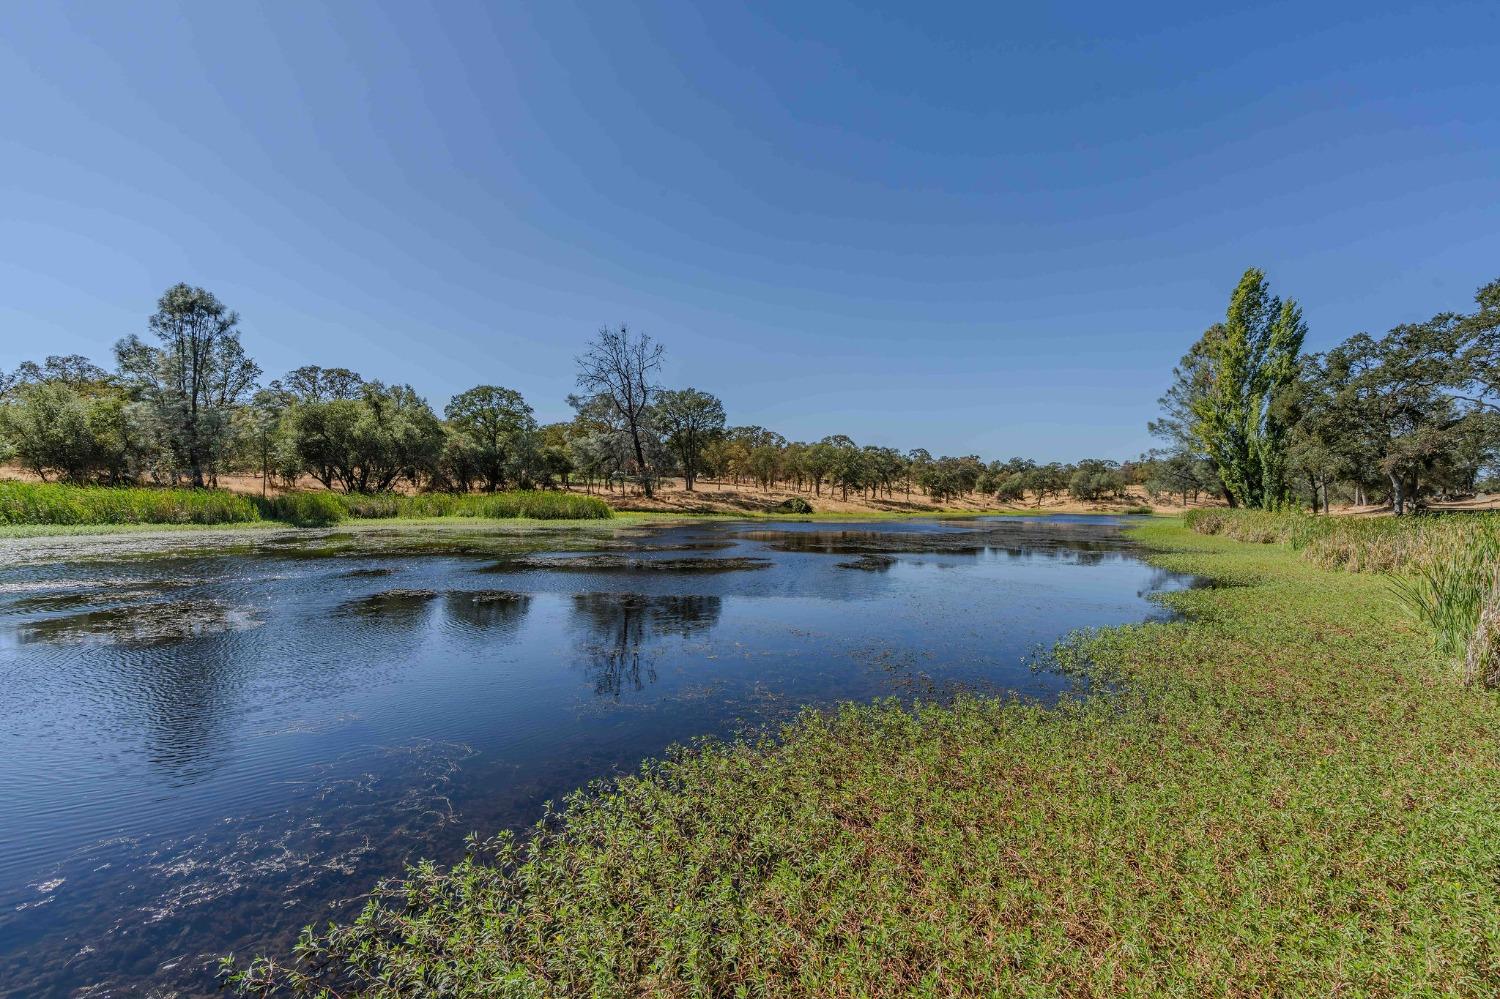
1281,791
621,518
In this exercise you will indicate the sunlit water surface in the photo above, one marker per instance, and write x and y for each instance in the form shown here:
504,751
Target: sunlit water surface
206,749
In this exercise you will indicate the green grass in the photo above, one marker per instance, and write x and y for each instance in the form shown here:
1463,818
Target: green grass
35,503
1284,792
305,509
1443,568
54,505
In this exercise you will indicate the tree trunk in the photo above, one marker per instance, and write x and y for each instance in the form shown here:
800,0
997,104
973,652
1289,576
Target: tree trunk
1398,494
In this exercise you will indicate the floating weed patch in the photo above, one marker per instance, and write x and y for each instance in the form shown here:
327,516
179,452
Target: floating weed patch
395,602
487,609
141,624
611,563
869,563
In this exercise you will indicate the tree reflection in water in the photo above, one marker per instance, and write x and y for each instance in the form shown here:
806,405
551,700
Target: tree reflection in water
622,627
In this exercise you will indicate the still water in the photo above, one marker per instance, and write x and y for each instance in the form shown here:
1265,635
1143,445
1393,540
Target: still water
209,742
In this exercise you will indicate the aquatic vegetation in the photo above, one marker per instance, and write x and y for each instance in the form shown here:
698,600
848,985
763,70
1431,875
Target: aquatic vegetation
48,503
53,503
870,563
1280,792
304,509
154,623
609,562
398,601
1443,568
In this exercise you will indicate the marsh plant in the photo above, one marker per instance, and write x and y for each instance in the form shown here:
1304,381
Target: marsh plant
53,503
1443,568
32,503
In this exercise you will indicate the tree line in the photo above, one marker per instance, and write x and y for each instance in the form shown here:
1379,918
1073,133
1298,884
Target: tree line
1248,417
186,404
1400,418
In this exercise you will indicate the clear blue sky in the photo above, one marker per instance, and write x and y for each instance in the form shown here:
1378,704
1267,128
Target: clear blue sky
986,228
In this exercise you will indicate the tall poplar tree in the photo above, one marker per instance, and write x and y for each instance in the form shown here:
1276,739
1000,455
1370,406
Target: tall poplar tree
1251,359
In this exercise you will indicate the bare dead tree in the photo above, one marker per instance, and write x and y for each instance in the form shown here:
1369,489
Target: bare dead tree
617,367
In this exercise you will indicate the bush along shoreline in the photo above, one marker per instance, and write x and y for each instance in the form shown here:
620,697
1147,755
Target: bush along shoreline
57,504
1283,791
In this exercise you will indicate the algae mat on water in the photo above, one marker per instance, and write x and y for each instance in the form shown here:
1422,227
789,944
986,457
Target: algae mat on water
1280,793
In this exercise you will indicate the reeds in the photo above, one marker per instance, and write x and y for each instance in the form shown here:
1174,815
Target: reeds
304,509
38,503
1443,568
53,503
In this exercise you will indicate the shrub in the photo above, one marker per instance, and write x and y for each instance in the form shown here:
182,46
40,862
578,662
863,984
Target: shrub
793,504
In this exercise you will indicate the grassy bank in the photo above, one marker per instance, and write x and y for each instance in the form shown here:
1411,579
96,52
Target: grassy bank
1445,569
1286,792
41,503
30,504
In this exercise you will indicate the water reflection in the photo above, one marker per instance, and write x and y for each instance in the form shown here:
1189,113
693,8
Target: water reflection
494,612
621,629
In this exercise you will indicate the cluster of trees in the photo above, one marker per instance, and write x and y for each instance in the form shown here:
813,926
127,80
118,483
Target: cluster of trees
186,405
1400,418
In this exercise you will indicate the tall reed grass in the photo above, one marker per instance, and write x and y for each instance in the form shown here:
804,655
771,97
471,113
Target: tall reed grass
54,503
40,503
1444,568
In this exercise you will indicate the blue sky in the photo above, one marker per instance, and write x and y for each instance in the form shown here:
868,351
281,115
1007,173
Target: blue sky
986,228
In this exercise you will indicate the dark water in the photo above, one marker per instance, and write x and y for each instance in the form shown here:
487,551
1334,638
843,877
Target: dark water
207,748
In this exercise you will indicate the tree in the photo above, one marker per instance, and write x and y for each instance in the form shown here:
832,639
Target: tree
818,461
1248,360
617,367
1478,366
73,370
367,444
1393,389
311,383
1096,479
52,428
260,432
689,420
192,382
499,430
846,465
1011,488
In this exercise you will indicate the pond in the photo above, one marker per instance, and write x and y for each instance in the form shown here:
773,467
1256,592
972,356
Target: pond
213,740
